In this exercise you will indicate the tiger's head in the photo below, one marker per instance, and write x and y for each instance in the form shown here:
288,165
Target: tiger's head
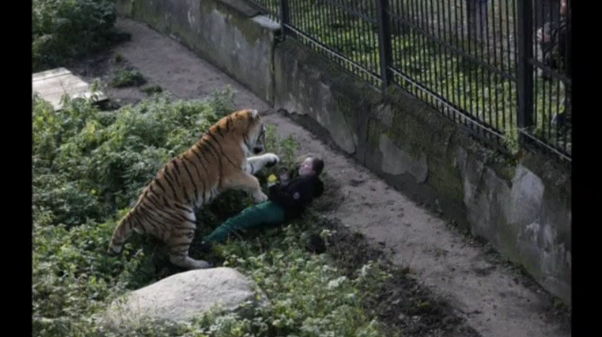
254,133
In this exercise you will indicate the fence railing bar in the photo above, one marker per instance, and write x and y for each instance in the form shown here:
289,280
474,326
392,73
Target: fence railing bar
552,72
284,17
384,42
518,69
352,11
458,51
484,137
525,66
449,104
326,49
545,144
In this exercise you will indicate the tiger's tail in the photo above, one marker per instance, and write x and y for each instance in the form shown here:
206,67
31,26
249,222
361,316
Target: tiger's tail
121,233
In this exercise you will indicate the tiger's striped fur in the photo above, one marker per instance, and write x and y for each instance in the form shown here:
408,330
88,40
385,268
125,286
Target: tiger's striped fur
222,159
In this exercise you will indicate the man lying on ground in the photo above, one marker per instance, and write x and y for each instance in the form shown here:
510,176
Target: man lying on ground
288,199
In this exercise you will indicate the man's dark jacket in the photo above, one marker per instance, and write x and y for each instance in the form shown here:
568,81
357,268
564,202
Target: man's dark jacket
295,196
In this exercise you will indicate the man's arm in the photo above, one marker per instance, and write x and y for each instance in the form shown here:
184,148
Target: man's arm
295,195
279,195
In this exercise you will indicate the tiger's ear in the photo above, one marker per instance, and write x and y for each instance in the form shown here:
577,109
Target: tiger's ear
256,115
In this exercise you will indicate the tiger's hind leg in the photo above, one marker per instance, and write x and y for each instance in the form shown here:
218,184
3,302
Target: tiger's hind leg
179,249
180,240
256,163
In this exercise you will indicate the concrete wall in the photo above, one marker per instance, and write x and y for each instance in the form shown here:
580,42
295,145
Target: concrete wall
523,208
227,33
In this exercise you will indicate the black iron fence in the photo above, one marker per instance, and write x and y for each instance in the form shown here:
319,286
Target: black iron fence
500,67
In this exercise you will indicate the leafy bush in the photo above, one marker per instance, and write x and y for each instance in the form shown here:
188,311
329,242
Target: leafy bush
128,78
67,29
90,165
87,165
310,297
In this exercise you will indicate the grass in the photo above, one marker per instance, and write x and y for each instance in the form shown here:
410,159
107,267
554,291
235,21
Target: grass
128,78
90,165
152,89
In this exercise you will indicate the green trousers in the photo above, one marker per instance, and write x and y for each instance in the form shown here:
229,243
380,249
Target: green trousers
260,215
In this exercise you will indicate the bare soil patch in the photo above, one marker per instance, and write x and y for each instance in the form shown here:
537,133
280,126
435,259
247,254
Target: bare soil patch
401,302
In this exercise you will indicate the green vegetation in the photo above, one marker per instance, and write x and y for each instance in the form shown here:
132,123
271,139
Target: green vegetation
89,167
65,30
487,95
152,89
127,78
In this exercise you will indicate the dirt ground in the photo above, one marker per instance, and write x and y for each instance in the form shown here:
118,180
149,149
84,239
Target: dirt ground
472,285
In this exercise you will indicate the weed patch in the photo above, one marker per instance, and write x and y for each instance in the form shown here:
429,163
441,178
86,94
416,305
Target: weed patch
90,166
127,78
65,30
152,89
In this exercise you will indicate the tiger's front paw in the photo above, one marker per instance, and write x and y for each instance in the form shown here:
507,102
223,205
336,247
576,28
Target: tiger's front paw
259,197
272,159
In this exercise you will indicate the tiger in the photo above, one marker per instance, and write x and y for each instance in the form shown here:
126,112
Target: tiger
226,157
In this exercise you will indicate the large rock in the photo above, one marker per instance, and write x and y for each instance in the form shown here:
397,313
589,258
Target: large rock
182,296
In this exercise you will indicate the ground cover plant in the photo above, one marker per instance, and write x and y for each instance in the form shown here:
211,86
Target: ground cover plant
64,30
90,165
128,78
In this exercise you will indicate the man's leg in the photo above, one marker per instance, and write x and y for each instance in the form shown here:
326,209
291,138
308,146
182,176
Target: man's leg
264,214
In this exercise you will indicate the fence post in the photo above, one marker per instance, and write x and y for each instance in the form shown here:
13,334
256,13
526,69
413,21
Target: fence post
525,65
384,41
284,17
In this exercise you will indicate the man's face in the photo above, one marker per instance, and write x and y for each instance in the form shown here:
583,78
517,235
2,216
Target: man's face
307,167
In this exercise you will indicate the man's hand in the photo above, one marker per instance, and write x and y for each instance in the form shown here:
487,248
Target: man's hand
271,180
284,176
542,35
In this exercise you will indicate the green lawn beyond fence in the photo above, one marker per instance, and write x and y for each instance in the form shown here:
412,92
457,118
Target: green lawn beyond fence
469,74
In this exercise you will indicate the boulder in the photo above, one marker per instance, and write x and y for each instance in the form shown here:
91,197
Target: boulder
181,297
